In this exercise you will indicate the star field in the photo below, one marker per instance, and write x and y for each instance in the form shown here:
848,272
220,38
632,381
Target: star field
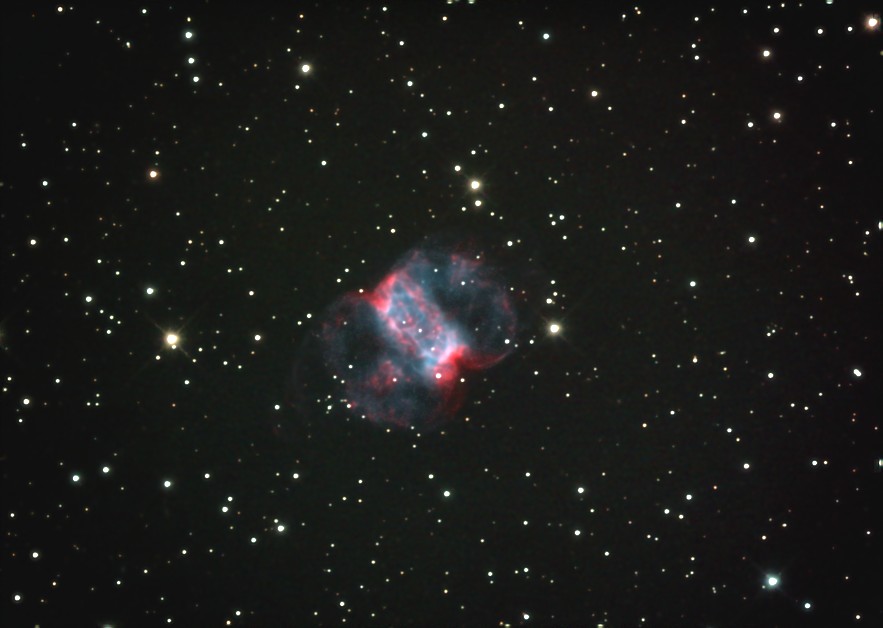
683,202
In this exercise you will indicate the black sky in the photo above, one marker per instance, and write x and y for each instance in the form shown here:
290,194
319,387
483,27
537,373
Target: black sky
688,193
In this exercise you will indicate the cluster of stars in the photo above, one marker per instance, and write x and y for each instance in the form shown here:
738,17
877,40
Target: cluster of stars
579,177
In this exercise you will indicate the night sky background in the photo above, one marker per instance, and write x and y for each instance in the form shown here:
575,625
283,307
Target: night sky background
686,202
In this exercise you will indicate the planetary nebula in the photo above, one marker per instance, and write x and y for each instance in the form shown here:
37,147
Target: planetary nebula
401,350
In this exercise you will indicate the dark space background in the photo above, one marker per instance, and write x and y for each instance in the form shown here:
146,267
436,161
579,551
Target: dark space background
692,194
